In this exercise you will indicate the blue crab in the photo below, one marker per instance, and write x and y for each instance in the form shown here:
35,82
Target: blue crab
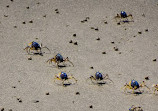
99,78
62,76
124,18
134,85
59,59
35,46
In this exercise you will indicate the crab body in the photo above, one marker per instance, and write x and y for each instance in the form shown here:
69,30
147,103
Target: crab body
35,46
134,85
98,76
123,14
59,59
123,17
62,76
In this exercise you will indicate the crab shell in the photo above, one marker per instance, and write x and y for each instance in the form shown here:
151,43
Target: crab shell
134,84
63,75
34,45
59,57
123,14
98,75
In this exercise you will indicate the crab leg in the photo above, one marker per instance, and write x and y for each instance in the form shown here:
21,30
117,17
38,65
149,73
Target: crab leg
67,59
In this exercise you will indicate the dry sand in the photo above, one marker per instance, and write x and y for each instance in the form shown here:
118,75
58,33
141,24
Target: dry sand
24,83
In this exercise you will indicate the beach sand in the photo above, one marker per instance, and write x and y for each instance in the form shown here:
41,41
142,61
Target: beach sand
130,48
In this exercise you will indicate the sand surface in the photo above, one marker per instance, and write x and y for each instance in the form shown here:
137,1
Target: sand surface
24,83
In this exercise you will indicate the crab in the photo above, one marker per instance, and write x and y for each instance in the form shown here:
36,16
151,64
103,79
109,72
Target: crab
134,85
123,17
59,59
35,46
62,76
134,108
155,87
99,78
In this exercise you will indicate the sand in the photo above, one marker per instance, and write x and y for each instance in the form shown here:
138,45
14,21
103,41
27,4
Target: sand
27,85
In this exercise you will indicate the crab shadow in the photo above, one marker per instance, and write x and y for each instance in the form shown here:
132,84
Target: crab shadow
124,21
138,93
62,66
135,93
65,84
101,83
36,53
59,66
